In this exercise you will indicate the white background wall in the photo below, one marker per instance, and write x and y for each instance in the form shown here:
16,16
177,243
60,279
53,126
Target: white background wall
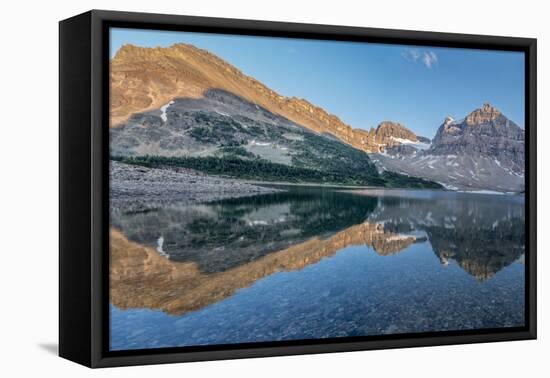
29,189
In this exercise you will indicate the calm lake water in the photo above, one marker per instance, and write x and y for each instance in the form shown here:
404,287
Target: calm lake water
316,263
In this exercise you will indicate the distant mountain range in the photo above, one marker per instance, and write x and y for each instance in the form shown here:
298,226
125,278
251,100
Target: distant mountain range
185,106
483,151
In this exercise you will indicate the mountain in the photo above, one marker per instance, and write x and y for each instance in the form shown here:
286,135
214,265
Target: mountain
144,79
222,133
183,106
484,132
395,139
483,151
392,136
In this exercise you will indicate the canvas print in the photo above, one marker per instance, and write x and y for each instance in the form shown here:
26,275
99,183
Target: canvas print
274,189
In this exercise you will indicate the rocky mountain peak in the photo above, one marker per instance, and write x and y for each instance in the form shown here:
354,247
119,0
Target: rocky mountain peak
388,129
448,124
482,115
485,132
484,151
124,50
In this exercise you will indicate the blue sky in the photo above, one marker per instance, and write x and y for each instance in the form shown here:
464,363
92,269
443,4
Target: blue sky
363,83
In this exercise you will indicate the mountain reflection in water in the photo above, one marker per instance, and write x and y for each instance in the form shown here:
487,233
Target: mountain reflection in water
181,259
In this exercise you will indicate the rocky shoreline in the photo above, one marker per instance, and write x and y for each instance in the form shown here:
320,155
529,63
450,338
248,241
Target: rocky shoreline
138,188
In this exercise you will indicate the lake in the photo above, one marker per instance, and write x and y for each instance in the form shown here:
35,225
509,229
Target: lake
311,263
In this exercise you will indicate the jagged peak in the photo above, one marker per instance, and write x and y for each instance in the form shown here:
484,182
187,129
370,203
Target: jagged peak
131,51
391,125
484,114
124,50
449,123
488,108
389,129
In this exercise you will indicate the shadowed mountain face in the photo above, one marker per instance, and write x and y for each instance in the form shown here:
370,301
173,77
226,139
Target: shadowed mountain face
222,133
223,124
183,258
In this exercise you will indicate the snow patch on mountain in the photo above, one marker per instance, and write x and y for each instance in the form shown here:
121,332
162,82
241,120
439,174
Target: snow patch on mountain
415,144
163,110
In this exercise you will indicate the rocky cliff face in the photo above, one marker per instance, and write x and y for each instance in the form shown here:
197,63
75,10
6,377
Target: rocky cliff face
387,132
484,151
395,139
485,132
485,114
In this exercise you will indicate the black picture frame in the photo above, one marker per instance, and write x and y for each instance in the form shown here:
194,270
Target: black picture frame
83,181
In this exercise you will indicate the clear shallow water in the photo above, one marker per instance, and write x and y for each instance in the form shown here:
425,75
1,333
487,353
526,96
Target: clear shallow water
313,263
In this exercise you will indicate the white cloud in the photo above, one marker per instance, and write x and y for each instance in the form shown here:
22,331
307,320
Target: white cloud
426,57
429,58
412,55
